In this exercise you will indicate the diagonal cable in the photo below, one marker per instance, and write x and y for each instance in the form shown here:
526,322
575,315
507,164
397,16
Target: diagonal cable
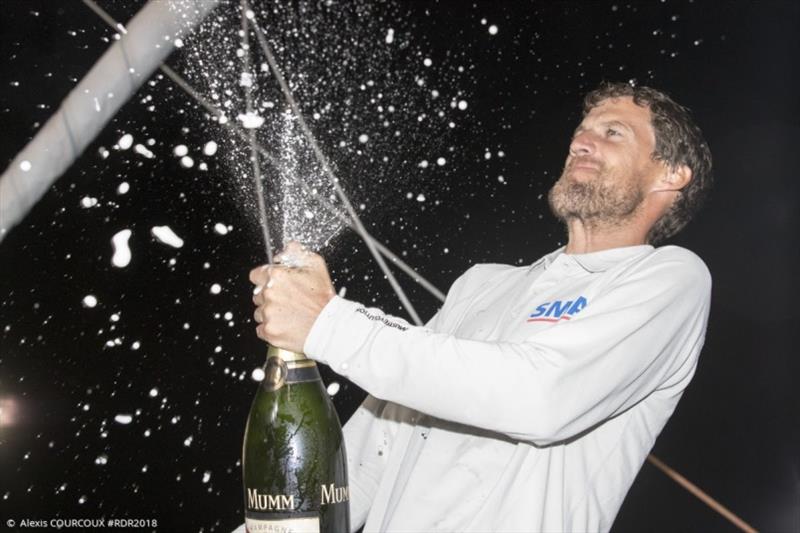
326,167
269,156
701,495
235,129
254,154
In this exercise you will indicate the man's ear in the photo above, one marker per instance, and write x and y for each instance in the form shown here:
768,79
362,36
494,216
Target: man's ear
675,179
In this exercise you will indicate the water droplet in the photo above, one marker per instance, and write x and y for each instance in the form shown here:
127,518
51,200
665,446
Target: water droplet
166,236
125,142
123,419
88,201
122,253
210,148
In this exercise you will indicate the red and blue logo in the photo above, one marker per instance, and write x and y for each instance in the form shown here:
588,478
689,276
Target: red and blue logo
558,310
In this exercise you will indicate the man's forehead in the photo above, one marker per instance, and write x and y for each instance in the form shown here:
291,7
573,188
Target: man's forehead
619,108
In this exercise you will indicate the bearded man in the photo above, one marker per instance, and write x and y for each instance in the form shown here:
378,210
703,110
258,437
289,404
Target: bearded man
531,399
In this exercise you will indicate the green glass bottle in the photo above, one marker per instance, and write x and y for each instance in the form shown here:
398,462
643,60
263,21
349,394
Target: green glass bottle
293,457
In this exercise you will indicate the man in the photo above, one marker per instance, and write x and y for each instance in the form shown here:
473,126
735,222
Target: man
530,401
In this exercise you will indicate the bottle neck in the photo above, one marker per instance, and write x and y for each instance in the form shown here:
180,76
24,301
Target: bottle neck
287,356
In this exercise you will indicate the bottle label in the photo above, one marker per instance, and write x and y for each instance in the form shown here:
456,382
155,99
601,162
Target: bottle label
308,524
332,494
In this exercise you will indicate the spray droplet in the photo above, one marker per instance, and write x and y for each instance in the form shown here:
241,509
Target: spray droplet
250,120
89,301
88,201
210,148
123,419
122,253
125,142
166,236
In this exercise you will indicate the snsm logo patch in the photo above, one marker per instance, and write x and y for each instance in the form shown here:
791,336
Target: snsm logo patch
557,310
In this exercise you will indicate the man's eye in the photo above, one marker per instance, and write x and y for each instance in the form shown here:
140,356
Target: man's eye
611,132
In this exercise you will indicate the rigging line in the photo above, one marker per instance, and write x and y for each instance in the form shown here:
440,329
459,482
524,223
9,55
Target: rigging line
701,495
394,258
254,155
236,129
402,265
323,160
213,110
100,12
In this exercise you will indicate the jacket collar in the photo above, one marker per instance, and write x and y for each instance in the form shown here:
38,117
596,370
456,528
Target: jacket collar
596,261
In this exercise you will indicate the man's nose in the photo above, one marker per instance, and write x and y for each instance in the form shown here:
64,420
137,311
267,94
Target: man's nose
582,144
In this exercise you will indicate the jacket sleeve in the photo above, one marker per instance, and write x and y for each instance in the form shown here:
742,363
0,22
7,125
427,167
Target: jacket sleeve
641,333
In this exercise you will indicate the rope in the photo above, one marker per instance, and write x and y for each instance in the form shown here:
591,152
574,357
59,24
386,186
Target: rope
701,495
248,93
326,167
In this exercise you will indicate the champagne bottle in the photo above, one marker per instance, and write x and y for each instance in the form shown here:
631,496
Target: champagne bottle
293,457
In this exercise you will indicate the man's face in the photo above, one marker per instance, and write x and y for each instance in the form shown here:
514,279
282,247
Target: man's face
609,165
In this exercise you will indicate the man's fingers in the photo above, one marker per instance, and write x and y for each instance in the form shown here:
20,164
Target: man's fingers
259,275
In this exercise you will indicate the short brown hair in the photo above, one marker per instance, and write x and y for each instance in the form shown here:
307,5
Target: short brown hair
679,141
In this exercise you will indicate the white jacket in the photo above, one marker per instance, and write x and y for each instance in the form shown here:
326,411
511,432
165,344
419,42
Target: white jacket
529,402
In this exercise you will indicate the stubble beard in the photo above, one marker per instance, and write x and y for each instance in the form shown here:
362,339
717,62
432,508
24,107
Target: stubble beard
605,200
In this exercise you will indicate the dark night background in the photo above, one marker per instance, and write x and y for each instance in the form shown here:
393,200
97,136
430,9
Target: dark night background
734,63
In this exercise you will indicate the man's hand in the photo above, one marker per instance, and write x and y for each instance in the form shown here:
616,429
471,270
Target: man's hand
290,295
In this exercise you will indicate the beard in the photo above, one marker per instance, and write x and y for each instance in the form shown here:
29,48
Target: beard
606,199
